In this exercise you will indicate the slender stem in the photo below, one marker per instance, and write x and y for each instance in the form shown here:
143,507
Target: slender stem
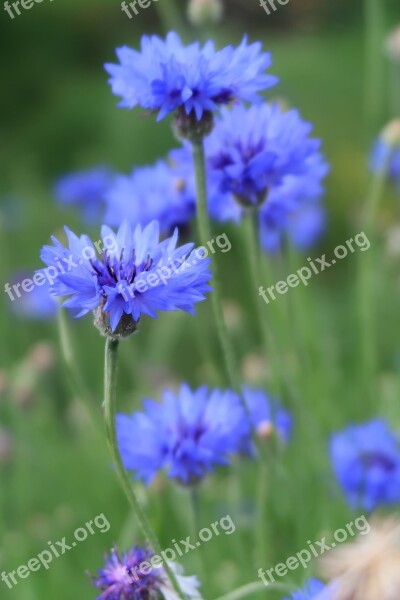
110,393
205,236
253,588
266,314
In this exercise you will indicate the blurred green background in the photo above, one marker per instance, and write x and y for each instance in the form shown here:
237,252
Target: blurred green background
58,115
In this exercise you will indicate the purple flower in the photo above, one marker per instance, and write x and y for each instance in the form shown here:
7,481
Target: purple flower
134,275
187,434
132,576
251,151
166,75
366,462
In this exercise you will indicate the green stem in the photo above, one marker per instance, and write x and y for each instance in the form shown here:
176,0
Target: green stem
253,588
205,237
110,394
266,314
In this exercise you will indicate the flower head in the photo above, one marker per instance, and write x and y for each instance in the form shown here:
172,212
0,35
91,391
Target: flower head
166,75
187,434
252,150
85,190
123,578
202,12
155,192
134,275
366,462
267,415
313,590
263,158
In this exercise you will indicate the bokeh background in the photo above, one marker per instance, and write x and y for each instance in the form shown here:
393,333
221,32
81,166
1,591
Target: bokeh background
58,115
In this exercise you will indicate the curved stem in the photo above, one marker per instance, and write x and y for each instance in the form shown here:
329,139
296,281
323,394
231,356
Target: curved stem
110,389
253,588
205,236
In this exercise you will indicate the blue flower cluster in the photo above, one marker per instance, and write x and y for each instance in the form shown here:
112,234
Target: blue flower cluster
366,462
133,276
166,75
192,431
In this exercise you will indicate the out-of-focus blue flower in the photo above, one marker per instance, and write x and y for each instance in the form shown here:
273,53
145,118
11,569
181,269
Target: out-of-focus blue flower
135,274
313,590
267,414
166,75
187,434
122,578
251,151
294,209
243,164
85,190
38,304
156,192
366,462
383,156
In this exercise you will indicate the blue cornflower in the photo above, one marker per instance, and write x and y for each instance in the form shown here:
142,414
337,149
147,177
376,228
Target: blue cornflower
366,462
85,190
135,274
132,576
251,151
313,590
263,153
156,192
187,434
267,414
384,156
166,75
